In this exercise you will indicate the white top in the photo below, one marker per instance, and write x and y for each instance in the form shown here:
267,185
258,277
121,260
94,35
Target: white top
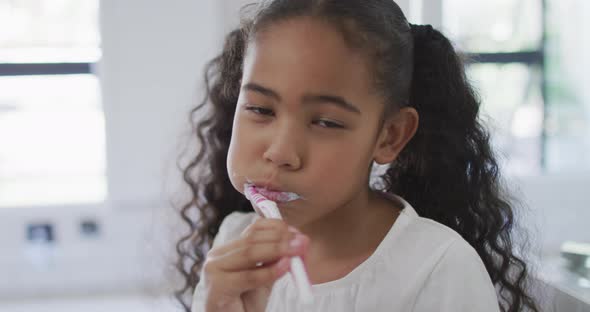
421,265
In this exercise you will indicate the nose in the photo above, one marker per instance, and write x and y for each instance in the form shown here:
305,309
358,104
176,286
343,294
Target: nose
283,149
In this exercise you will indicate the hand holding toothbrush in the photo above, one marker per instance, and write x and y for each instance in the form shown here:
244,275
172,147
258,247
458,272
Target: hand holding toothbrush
233,276
269,209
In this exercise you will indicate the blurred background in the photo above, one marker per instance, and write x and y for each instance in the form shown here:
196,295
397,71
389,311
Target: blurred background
94,104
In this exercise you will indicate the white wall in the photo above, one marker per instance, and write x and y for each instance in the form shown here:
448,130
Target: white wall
558,209
153,55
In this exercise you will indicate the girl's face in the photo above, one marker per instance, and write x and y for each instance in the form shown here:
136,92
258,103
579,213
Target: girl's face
306,120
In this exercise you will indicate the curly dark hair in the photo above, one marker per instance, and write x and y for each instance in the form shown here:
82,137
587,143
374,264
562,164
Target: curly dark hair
447,171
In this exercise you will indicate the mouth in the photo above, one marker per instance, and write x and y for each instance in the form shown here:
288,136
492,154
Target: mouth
275,194
281,197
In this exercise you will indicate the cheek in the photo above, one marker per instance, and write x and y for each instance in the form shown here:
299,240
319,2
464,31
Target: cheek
341,169
238,156
233,165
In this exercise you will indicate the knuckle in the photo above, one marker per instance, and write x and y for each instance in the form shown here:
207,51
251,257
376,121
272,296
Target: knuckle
282,226
249,254
246,232
249,240
287,236
258,277
252,278
279,236
264,222
268,274
279,248
212,252
260,223
208,267
249,230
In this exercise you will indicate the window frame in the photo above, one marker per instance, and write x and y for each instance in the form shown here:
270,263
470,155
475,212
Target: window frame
43,69
530,58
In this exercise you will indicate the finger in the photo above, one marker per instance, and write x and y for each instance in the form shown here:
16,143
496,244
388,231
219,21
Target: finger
254,235
260,277
267,236
264,223
248,256
305,246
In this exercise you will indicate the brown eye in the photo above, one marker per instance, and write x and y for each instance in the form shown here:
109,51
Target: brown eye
260,110
328,124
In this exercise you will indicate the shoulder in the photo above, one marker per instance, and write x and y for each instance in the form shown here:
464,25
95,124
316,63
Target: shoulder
421,235
233,225
451,275
441,248
457,281
425,239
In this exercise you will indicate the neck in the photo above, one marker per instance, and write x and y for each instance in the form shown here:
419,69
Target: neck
353,229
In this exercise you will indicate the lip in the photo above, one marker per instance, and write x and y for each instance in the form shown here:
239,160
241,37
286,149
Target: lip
268,186
279,197
274,192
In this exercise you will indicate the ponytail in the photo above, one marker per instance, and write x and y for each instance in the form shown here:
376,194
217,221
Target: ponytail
435,169
448,171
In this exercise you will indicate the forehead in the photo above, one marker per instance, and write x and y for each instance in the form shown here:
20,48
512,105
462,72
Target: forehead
306,54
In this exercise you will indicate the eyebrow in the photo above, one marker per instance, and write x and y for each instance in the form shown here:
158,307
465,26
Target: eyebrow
308,98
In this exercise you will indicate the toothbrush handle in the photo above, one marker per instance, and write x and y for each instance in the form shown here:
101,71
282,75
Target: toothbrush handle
270,210
301,281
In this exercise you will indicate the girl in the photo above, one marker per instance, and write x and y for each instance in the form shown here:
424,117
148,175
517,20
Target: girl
319,91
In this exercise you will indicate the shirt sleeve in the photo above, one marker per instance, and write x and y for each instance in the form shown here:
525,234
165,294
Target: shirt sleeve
231,226
459,282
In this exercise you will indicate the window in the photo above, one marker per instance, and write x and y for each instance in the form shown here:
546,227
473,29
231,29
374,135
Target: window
568,109
52,130
522,66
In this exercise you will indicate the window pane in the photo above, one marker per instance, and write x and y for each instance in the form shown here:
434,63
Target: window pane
49,31
568,120
512,108
53,140
493,26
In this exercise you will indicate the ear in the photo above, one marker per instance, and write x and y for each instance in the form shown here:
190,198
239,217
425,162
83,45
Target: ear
395,134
